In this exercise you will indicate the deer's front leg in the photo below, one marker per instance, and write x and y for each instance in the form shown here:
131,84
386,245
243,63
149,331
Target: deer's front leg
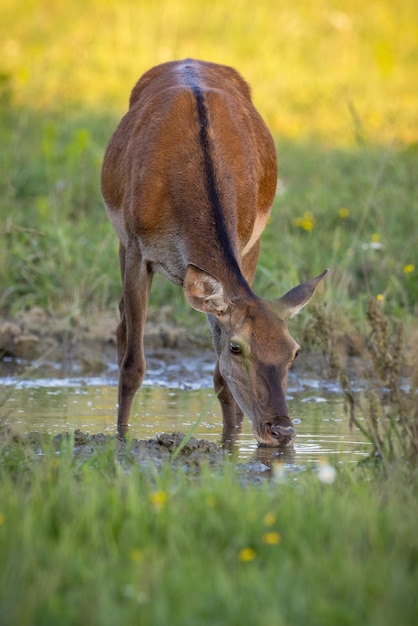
137,280
231,413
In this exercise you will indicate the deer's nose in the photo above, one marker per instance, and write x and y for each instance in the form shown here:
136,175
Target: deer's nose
284,433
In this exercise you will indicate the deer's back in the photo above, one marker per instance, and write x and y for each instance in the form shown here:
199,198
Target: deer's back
191,158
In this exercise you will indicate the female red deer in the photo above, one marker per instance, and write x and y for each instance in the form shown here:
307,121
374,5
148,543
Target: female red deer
188,181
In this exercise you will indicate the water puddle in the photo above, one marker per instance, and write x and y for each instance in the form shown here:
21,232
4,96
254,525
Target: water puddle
176,393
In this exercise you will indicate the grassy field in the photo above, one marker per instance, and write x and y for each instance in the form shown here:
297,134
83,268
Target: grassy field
334,81
89,540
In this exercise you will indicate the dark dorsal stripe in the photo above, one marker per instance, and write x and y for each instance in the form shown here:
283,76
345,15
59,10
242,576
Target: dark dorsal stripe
192,80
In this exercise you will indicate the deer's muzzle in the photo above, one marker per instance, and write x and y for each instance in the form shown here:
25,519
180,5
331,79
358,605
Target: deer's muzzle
278,433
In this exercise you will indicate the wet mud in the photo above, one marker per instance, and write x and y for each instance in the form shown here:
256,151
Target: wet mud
187,454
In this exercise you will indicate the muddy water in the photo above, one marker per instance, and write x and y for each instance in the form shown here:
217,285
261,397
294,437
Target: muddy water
177,393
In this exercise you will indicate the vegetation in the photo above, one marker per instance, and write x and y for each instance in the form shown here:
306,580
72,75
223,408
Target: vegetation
381,398
102,539
334,82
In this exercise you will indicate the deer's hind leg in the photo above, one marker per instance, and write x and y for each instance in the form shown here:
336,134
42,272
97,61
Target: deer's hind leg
137,279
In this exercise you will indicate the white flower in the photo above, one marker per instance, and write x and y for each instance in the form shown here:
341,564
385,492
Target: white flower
372,245
278,472
326,473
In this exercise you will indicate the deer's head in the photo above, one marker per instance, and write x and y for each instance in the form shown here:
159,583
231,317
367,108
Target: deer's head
255,349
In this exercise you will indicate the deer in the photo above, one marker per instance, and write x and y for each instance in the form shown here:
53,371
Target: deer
188,182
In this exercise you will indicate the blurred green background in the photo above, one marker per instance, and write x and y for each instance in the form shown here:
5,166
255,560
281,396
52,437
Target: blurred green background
335,80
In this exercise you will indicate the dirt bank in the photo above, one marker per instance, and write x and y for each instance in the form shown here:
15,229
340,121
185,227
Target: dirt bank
85,345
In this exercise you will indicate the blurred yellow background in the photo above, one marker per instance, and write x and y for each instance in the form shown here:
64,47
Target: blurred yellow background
322,69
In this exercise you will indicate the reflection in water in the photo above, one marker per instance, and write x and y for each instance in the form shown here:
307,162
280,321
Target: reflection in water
55,405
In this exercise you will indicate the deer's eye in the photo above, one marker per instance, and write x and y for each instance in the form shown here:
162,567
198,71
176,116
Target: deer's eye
298,351
235,348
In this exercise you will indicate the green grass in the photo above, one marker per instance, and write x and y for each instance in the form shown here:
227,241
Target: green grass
350,210
60,251
88,540
58,244
335,83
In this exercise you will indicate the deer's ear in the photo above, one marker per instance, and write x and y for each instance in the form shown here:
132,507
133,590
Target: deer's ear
204,292
294,300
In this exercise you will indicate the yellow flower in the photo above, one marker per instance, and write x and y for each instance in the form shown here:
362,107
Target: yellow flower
271,538
343,212
136,555
211,501
269,519
306,222
247,554
409,268
158,499
380,297
375,237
